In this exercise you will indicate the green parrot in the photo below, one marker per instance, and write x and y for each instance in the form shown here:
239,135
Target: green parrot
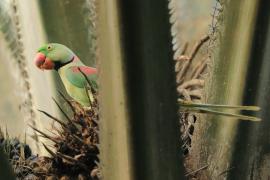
54,56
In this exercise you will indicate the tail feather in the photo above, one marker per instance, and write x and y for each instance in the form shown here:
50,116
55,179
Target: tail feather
238,116
218,106
214,109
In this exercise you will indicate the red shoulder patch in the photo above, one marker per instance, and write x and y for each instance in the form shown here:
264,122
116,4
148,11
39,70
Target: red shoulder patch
85,69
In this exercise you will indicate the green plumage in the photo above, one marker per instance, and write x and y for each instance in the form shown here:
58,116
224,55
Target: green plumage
79,80
75,84
71,70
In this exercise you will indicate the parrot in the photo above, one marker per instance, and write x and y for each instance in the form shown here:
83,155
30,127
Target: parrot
73,73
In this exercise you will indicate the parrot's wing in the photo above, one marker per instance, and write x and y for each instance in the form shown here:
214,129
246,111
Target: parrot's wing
75,76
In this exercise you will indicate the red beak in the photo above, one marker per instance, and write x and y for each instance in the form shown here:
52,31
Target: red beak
43,62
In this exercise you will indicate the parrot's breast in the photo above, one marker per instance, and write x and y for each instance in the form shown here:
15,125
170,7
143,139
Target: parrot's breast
77,93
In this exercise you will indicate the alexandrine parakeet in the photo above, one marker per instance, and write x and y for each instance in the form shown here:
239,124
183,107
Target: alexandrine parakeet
73,72
54,56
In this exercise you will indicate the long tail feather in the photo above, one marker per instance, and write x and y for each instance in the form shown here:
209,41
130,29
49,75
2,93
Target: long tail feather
238,116
217,106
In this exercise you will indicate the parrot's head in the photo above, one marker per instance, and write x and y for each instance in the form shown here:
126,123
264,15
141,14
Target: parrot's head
52,56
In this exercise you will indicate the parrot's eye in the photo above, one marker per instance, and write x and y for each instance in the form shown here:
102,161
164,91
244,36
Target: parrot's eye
49,47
